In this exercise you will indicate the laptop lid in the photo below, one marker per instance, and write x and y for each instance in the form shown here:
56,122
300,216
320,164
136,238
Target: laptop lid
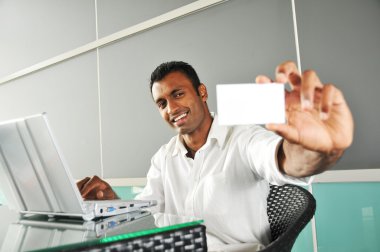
35,178
33,173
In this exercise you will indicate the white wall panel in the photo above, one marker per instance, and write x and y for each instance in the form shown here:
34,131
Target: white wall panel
33,31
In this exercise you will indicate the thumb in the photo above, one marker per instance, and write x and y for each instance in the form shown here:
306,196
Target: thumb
106,194
286,131
100,195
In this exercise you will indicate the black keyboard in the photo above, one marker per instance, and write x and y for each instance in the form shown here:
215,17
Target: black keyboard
192,238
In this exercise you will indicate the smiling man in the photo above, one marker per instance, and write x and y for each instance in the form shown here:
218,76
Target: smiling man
181,100
222,173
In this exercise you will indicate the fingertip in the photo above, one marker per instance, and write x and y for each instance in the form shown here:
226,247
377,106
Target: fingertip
261,79
281,78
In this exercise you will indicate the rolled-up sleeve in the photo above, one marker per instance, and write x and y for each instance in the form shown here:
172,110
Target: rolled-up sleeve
262,147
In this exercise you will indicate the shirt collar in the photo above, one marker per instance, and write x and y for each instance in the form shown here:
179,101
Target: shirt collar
217,132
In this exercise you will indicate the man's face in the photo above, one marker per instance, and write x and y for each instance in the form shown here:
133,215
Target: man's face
178,102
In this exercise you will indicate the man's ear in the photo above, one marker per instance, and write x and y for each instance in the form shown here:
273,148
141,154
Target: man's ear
202,90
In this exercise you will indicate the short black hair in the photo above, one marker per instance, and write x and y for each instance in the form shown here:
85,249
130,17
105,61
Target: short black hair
175,66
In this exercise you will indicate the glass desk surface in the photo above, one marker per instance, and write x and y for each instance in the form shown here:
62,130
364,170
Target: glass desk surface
36,232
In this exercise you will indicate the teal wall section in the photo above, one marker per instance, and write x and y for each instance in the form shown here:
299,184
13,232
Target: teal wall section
127,192
347,217
304,242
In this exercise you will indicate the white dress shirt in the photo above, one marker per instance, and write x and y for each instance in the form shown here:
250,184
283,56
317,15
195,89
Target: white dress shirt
226,184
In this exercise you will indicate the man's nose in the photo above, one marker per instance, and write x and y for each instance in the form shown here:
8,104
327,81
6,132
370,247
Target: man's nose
172,107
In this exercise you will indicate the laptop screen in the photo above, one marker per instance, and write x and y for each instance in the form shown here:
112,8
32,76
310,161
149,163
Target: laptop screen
33,174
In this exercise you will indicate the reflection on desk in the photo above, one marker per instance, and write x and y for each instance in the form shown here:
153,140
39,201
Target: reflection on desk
39,232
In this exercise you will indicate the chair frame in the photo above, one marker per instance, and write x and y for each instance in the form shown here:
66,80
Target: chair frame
289,208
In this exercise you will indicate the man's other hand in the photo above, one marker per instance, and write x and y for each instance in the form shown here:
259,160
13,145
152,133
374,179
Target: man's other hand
95,189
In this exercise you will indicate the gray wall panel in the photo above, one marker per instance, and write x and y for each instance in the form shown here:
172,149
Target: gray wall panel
341,40
68,93
117,15
228,43
33,31
232,42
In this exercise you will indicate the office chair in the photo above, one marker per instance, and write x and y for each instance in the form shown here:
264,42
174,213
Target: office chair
289,209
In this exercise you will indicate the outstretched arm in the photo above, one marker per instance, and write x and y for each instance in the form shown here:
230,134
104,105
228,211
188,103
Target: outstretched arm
319,123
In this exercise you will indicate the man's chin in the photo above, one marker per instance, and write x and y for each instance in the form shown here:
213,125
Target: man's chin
182,131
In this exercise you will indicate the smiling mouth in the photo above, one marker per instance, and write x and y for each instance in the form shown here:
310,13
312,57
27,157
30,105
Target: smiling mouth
176,119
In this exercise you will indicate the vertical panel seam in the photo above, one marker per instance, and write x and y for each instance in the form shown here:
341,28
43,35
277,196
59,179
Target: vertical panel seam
99,93
313,226
296,35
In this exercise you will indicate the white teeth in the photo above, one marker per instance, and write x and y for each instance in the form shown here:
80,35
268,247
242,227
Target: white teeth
180,117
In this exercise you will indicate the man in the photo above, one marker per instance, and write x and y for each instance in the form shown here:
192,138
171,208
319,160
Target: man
221,173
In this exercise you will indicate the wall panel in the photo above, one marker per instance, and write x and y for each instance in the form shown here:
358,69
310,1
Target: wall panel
116,15
33,31
68,93
341,40
228,43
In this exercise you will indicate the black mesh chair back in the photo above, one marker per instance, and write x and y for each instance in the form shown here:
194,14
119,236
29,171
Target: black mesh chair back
289,209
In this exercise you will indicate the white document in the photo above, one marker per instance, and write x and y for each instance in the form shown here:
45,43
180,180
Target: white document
240,104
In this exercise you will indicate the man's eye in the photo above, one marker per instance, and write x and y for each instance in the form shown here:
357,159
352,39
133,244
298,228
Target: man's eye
177,95
161,104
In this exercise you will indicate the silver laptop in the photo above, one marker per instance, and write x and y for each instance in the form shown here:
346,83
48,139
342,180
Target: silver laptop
96,228
35,178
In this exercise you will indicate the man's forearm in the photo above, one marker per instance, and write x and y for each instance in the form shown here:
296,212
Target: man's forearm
296,161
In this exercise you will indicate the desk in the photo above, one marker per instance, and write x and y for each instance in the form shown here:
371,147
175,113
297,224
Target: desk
123,232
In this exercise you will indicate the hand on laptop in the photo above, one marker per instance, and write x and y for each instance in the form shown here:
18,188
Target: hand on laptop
95,189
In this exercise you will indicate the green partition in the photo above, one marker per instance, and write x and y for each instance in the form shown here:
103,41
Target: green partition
347,216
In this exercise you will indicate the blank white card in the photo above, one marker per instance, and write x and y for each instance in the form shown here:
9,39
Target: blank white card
250,103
